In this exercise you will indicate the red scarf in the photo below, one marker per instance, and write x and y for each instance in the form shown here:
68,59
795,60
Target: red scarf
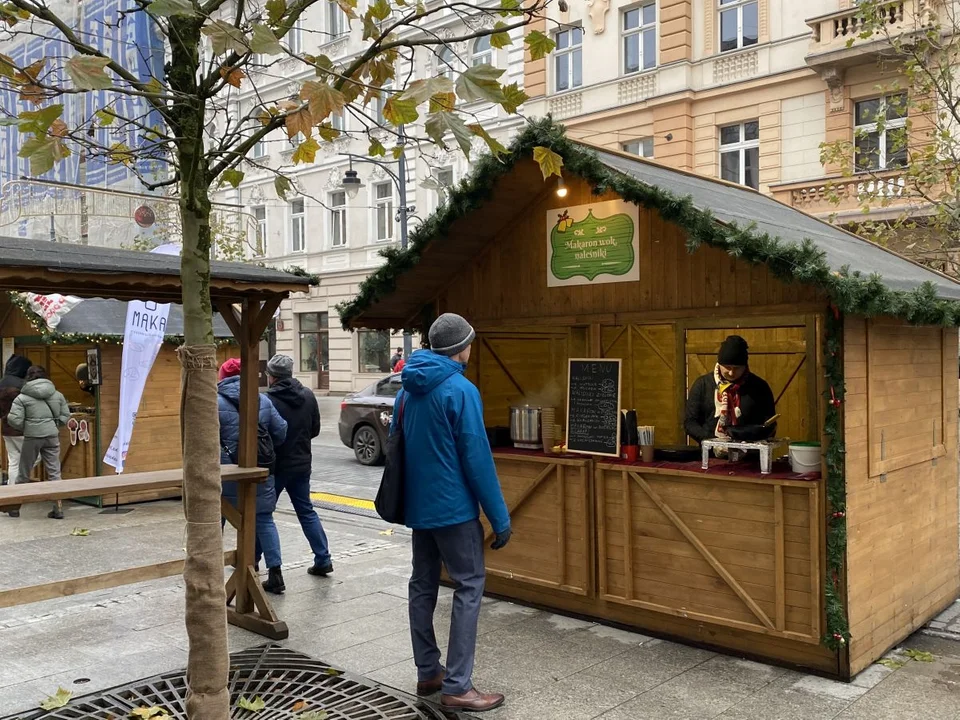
727,401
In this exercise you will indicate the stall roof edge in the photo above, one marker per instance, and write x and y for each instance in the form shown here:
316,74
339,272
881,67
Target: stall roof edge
859,276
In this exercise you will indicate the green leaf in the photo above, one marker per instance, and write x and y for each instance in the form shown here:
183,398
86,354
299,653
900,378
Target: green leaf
57,701
232,177
440,124
421,8
376,148
264,41
149,713
443,102
422,90
9,121
495,146
479,82
255,705
8,68
87,72
397,152
224,38
509,8
276,9
500,39
539,44
155,87
919,655
398,111
891,663
380,10
324,99
120,153
169,8
306,151
39,121
314,715
513,97
105,117
282,185
42,154
333,672
80,532
328,132
549,162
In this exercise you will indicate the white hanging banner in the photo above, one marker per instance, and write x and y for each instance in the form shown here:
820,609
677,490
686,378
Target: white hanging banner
142,338
51,307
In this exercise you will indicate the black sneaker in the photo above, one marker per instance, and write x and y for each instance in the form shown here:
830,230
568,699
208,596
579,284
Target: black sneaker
13,513
274,583
54,514
320,570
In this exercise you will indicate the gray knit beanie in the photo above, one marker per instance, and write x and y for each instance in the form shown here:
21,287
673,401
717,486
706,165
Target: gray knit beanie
450,334
280,366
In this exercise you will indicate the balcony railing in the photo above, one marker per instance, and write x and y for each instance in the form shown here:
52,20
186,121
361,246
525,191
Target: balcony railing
843,34
883,194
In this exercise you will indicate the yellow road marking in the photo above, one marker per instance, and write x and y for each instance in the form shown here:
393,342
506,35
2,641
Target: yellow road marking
342,500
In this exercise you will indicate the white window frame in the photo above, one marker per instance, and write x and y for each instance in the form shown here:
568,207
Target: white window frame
573,52
738,5
261,237
338,218
295,38
641,147
874,127
446,62
380,104
639,32
740,148
338,120
383,211
336,22
483,56
298,225
259,150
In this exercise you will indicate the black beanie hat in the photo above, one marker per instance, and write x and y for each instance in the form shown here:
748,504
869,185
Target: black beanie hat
733,351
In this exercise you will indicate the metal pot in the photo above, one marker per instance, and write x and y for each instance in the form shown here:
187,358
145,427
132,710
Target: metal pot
525,426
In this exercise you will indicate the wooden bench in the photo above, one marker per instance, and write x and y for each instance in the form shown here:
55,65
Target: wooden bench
252,611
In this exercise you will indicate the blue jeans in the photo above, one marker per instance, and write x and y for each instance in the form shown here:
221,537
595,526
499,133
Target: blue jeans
297,486
268,539
460,549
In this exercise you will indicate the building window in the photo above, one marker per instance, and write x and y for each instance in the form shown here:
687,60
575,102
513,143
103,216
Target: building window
295,141
298,237
740,153
568,59
337,121
642,147
881,133
260,149
444,179
336,25
639,38
295,38
338,219
374,351
482,51
739,26
260,215
314,341
383,211
445,62
380,102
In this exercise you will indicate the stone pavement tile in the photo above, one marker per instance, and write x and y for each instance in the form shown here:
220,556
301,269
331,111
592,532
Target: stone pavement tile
520,637
917,690
327,614
737,671
652,664
368,657
400,676
32,663
561,660
320,641
512,672
572,698
782,699
23,697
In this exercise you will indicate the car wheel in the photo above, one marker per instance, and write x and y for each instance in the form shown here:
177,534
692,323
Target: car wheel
366,446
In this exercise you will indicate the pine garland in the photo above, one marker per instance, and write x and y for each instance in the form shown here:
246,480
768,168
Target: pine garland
852,292
838,631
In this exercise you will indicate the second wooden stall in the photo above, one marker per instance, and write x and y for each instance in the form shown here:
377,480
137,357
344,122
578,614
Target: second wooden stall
781,566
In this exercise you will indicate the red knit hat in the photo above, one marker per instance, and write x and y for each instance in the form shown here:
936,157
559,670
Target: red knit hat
230,368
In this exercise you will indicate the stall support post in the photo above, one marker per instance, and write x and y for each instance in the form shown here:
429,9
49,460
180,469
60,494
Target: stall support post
403,211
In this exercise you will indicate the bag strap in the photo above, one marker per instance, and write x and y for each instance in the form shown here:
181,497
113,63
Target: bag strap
403,402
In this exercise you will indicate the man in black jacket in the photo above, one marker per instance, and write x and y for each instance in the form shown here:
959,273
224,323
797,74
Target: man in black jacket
731,403
298,406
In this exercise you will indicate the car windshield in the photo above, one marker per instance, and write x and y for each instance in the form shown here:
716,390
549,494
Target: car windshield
389,387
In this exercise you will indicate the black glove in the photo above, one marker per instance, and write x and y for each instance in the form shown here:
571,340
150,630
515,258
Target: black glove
502,539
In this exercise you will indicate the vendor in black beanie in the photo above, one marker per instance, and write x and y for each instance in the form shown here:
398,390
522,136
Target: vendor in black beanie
730,402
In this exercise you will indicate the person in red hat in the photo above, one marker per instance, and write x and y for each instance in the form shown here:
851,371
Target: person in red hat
228,404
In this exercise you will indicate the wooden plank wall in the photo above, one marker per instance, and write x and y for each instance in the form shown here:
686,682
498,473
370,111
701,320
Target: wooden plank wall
902,522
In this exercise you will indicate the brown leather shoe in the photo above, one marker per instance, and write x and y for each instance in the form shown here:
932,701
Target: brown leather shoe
473,700
431,686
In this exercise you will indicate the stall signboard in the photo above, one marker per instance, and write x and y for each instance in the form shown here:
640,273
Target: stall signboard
593,407
593,244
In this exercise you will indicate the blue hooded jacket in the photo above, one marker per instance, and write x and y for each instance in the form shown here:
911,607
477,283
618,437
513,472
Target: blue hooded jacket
448,463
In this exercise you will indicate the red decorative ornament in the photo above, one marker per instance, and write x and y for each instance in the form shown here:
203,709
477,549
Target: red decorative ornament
839,514
144,216
834,400
839,638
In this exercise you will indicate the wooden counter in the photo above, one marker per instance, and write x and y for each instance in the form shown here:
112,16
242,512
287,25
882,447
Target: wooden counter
722,557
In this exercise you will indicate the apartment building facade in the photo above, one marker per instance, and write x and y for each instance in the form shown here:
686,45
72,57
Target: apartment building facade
742,90
327,230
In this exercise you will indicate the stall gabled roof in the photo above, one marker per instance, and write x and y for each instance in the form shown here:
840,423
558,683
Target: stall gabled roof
96,316
46,267
859,276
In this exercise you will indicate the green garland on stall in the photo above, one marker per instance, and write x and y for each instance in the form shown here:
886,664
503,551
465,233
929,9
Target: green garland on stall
52,337
838,630
852,292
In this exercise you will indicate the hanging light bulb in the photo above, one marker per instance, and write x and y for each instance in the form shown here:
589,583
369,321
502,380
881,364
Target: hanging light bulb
561,188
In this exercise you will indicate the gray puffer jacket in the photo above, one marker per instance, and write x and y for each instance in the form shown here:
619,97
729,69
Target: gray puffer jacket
39,410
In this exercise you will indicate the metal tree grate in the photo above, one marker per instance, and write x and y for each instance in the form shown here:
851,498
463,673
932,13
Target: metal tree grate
290,684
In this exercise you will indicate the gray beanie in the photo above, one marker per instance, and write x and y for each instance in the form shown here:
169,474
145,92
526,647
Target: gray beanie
450,334
280,366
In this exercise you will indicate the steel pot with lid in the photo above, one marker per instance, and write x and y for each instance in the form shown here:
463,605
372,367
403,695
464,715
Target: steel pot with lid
525,426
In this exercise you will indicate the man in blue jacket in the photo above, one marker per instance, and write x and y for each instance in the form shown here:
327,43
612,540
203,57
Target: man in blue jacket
449,470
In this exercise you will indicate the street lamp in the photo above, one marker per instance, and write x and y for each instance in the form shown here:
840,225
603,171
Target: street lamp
352,185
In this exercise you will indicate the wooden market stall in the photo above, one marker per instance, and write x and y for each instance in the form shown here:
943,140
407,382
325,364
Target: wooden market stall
99,323
656,267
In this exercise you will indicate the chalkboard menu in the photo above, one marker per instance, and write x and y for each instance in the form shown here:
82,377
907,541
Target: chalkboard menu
593,407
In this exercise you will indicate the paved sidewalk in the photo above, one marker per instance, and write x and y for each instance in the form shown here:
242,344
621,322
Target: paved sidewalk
550,667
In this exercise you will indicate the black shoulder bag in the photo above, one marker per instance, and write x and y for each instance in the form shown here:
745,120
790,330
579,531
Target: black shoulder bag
266,453
390,496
